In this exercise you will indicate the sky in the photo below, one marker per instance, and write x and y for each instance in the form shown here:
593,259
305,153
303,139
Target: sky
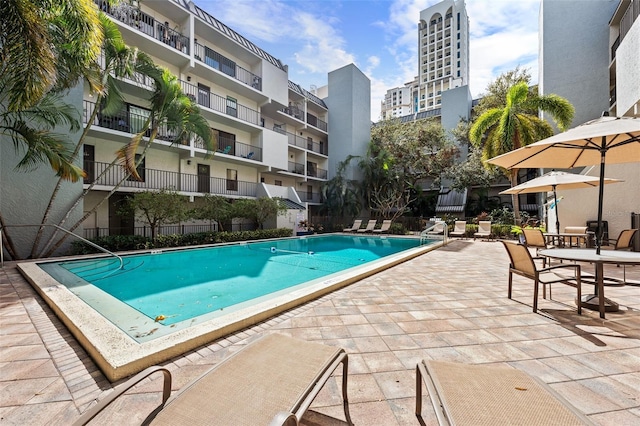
314,37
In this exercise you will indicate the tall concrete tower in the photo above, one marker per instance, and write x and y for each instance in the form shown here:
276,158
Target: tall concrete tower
443,52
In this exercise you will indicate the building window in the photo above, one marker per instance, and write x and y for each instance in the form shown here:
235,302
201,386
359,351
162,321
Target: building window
458,54
458,73
232,106
458,64
232,180
458,36
277,183
458,21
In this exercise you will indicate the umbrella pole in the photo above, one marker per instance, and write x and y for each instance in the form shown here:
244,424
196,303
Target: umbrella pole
600,230
555,200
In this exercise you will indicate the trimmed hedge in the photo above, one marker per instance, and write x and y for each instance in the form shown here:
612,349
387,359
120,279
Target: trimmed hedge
138,242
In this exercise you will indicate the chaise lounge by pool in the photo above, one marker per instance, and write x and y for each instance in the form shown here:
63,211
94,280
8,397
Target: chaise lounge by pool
160,304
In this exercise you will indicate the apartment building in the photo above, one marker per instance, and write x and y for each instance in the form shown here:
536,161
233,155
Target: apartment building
590,55
273,135
396,103
443,53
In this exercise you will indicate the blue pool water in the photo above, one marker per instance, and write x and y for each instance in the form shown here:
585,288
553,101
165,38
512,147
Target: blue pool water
174,286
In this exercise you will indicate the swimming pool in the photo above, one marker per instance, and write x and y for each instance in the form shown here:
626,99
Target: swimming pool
164,303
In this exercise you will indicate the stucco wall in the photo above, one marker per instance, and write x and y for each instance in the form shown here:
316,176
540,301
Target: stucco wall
628,72
24,195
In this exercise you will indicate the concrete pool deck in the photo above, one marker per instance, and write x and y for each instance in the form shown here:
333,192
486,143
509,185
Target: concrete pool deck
448,304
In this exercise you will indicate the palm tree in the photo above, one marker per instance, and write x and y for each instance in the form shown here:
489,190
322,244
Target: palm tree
169,108
45,47
118,60
500,130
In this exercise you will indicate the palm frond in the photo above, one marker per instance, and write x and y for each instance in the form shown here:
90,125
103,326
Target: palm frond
483,123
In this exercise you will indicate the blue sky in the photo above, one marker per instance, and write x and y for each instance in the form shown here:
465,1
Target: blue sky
314,37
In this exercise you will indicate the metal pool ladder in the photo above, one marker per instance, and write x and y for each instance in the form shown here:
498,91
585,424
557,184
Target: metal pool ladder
428,233
63,230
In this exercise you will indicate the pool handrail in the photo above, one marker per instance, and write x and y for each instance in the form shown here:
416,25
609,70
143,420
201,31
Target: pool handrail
427,232
60,229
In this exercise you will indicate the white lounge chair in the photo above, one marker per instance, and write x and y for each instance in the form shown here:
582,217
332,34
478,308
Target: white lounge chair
370,226
384,228
354,227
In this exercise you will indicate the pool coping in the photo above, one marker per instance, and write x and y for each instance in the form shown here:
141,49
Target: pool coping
119,356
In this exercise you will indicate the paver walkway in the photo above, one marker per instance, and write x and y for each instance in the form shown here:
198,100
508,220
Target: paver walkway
449,304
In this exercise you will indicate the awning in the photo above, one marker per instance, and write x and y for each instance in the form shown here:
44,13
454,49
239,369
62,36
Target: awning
292,205
451,201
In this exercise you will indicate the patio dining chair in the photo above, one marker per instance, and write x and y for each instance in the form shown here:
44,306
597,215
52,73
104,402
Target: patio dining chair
534,238
271,381
623,242
463,394
522,264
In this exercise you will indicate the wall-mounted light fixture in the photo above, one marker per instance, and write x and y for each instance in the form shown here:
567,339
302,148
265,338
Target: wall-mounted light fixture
188,162
188,78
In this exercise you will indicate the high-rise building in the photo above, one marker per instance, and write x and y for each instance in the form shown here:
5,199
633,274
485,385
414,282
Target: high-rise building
443,52
397,103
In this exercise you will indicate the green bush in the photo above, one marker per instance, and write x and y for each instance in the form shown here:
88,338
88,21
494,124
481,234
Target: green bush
138,242
397,229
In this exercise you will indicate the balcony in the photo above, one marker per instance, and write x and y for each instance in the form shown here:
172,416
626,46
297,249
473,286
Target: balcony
310,197
316,172
153,179
302,142
220,104
143,22
131,123
316,122
227,66
230,146
296,168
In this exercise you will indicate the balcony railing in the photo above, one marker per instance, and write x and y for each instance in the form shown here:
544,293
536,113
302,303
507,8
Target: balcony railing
310,197
302,142
232,147
141,21
162,179
296,168
136,77
128,122
223,64
317,172
316,122
218,103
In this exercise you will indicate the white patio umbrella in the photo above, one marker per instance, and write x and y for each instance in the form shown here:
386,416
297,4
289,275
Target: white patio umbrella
550,181
604,140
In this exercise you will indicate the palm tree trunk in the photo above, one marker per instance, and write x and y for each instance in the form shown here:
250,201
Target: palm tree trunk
47,211
154,133
515,199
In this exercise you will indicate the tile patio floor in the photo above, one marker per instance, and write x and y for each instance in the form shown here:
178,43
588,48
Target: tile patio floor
449,304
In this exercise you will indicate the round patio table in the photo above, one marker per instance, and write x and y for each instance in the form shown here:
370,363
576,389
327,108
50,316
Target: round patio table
596,300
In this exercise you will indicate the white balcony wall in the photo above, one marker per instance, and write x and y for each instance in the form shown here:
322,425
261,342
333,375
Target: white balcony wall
274,149
275,83
628,73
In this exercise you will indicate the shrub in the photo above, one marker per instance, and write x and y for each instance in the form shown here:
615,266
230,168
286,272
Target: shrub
397,229
138,242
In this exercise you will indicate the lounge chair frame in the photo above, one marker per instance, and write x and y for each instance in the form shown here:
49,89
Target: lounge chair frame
491,395
321,362
356,225
384,228
484,230
459,229
370,226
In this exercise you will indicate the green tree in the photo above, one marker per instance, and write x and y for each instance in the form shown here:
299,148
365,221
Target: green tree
400,159
470,172
45,48
258,210
214,208
157,208
496,91
500,130
340,194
